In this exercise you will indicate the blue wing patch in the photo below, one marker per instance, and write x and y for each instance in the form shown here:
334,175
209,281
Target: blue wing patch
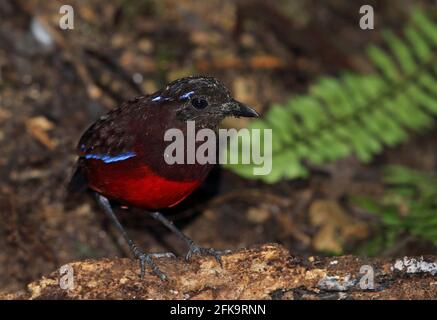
109,159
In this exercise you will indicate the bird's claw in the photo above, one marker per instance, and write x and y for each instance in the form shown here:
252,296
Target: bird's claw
146,258
195,249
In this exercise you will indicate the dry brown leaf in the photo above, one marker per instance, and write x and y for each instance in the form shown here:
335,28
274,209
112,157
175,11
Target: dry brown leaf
4,114
37,127
336,227
258,215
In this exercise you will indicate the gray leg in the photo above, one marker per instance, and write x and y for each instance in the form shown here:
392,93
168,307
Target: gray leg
192,247
142,257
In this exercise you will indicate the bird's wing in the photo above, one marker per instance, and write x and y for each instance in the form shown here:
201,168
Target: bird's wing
110,138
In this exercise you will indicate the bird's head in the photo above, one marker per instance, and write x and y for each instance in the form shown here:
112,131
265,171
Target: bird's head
200,98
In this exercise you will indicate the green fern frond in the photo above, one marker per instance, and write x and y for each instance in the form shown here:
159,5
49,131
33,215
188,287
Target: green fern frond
408,207
354,113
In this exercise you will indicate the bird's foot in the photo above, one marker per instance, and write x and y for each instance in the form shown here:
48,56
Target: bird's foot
147,258
195,249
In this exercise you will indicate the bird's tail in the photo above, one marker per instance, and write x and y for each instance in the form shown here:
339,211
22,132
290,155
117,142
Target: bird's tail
77,184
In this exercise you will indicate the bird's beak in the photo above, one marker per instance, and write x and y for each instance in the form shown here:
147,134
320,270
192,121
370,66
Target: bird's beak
237,109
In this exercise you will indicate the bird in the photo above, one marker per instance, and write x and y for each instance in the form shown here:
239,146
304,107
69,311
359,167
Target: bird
121,155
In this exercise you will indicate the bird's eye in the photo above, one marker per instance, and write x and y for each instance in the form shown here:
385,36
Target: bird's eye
199,103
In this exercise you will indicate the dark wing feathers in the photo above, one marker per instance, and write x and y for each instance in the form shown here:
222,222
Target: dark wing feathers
110,135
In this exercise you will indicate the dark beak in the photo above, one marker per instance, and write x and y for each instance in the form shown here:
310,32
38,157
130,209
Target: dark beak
237,109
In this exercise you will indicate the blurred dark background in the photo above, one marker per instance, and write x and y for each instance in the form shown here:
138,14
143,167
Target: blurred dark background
54,83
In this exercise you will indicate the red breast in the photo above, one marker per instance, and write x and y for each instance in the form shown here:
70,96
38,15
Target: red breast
133,182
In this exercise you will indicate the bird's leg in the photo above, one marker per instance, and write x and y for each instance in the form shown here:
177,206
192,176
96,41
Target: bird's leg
144,258
192,247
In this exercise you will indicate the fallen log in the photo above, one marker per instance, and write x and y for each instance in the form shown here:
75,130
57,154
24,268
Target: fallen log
261,272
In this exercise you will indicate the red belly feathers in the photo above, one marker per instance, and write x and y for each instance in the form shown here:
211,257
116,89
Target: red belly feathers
133,183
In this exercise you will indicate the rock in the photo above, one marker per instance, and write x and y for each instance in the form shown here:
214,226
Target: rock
262,272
